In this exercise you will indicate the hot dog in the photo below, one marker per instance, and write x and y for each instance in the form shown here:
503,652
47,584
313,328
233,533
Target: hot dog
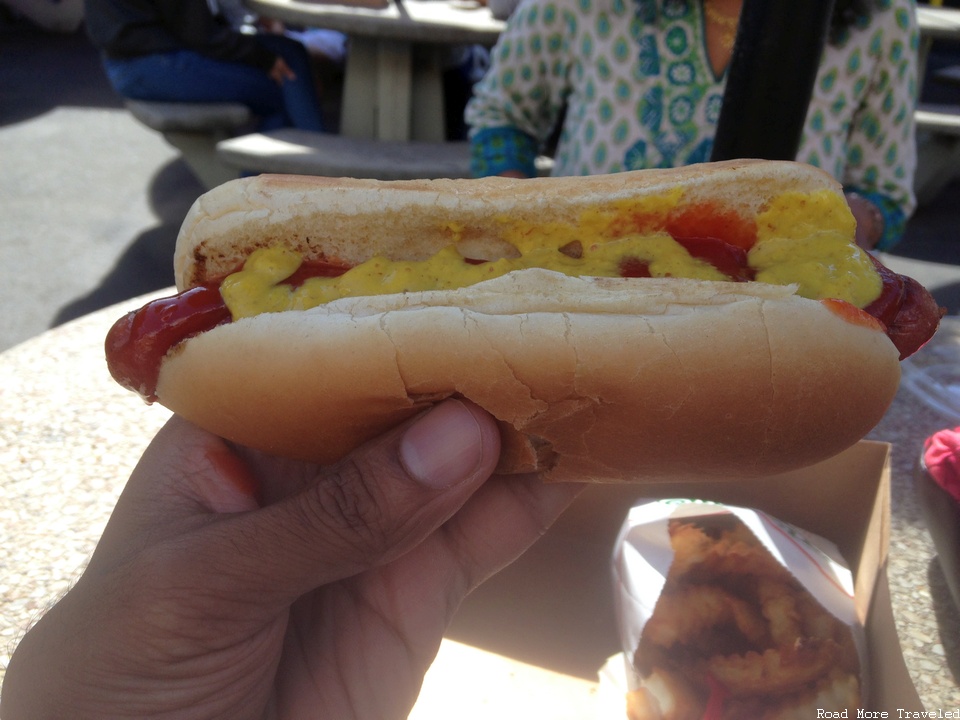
640,325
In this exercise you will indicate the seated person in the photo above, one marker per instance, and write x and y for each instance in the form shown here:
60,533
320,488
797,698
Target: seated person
641,84
182,50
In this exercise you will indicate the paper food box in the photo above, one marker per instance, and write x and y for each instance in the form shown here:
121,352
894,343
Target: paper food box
532,641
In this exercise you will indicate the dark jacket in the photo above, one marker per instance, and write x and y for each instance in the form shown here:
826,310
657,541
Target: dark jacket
132,28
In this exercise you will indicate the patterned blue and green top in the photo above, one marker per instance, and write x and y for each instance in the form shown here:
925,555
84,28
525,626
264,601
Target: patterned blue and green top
639,92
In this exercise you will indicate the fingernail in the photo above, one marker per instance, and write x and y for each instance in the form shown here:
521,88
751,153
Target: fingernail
444,447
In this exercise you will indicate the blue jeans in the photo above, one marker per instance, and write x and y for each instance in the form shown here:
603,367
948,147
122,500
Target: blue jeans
188,76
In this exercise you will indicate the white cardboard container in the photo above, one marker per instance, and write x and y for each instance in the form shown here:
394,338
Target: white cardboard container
531,641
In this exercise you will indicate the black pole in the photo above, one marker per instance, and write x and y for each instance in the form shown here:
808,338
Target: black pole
770,79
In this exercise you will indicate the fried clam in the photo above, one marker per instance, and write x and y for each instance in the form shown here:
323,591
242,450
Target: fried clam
836,692
778,603
683,616
702,554
775,671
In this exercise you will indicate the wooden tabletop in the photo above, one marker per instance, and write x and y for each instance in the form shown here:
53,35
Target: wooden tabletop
426,21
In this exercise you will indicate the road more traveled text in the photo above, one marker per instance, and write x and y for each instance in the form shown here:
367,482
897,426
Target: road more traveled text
899,714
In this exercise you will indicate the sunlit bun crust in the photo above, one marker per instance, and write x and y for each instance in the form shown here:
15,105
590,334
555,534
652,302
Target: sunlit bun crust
591,379
351,220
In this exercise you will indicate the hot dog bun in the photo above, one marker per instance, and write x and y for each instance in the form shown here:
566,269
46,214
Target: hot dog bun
354,219
601,379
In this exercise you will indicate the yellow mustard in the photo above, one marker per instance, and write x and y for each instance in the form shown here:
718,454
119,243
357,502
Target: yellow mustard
825,264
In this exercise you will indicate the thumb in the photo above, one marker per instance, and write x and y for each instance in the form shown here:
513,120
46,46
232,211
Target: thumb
377,504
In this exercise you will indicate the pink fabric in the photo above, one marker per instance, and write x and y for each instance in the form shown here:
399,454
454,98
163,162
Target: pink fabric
941,455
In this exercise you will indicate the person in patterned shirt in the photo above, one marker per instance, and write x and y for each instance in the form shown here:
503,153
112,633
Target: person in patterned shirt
632,84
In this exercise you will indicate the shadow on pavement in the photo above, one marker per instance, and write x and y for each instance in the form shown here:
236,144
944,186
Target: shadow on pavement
147,263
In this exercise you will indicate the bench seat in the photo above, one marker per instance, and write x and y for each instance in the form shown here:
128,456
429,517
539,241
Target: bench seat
301,152
938,119
190,117
195,129
938,149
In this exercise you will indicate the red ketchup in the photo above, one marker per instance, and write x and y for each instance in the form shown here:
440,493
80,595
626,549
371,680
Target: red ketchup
728,259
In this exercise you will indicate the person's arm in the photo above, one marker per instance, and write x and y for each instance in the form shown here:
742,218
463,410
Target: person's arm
230,584
881,149
193,24
517,104
504,151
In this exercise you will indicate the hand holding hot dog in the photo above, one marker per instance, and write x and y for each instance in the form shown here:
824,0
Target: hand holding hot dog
231,585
